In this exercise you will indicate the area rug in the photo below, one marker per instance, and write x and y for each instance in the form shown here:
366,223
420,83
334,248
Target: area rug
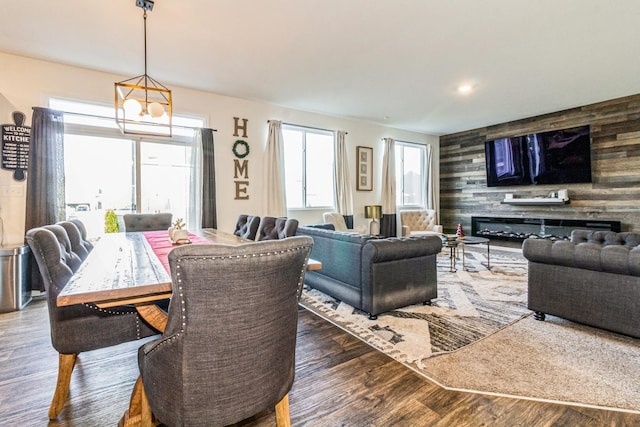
478,336
555,360
472,303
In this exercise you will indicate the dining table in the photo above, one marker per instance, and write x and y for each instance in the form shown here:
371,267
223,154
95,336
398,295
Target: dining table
133,269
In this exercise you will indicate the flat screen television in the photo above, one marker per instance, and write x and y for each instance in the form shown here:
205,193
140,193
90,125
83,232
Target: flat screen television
555,157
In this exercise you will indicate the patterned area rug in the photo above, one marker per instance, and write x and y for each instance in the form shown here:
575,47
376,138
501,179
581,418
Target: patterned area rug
478,336
472,303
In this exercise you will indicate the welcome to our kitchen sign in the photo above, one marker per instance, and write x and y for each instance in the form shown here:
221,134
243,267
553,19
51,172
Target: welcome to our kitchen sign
15,146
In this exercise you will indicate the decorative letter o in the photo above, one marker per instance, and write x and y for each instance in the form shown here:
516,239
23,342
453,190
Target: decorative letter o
235,149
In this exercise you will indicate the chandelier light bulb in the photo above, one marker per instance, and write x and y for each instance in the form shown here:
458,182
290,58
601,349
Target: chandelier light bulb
132,107
155,110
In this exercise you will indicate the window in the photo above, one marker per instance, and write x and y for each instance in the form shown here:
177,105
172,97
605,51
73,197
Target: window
410,172
105,169
308,158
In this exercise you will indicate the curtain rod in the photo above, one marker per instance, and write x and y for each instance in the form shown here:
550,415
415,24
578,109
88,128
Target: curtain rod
306,127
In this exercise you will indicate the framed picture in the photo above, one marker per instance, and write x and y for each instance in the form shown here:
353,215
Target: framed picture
364,165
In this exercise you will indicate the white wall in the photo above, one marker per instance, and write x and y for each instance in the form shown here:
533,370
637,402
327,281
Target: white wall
25,82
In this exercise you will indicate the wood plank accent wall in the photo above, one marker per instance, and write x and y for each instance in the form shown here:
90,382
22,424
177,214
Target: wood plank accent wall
613,195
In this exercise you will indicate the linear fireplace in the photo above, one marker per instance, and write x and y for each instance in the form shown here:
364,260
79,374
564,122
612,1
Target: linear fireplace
518,229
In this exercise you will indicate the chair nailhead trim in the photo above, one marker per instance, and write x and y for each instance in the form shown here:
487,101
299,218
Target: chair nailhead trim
165,341
102,310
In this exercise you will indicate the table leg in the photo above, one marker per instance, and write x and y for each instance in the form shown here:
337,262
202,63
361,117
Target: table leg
153,315
488,257
133,416
463,266
138,414
452,259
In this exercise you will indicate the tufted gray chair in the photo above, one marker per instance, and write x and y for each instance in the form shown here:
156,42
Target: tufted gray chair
83,234
147,222
70,258
75,328
419,222
75,238
276,228
247,226
228,351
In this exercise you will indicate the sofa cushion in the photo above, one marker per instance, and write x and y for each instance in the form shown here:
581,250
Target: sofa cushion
606,238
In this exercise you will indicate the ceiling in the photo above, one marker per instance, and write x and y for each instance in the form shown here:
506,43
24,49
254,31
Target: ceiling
392,62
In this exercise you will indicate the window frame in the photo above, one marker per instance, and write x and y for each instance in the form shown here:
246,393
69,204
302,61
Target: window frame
307,130
400,182
100,122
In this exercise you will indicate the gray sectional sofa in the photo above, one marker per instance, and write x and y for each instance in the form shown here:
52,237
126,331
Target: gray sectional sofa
374,275
593,279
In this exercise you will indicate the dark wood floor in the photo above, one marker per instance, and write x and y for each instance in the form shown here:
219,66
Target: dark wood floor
340,381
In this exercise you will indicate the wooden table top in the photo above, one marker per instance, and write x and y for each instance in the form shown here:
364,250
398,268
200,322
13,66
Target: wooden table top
122,268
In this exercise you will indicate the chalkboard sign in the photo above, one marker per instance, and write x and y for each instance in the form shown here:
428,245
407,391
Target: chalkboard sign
15,146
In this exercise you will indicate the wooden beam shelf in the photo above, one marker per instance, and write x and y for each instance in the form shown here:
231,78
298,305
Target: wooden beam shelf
536,201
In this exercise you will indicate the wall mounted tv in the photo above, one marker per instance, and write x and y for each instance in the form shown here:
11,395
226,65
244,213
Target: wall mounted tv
555,157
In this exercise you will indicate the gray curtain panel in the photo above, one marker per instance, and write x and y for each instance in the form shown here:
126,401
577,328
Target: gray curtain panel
209,213
388,225
348,219
45,175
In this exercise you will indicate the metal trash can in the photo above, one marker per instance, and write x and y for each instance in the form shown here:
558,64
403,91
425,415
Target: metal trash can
15,291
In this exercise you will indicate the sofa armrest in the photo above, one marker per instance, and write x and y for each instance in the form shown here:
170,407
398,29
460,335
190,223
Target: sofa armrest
438,229
406,230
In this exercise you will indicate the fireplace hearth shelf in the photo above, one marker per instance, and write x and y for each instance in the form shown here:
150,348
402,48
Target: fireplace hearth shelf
518,229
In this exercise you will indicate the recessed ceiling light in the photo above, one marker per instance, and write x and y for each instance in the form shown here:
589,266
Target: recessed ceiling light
464,88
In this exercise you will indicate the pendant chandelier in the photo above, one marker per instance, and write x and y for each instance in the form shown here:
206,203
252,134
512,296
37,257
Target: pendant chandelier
143,105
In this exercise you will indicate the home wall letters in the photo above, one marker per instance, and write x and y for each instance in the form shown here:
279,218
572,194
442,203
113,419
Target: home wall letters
240,164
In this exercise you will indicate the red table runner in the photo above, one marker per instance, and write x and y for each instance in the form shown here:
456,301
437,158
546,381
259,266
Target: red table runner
162,245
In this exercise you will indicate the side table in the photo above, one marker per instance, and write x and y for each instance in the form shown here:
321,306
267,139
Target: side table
473,240
452,244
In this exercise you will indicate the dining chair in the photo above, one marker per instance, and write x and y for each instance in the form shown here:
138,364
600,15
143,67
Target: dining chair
75,238
71,259
147,222
83,233
228,351
76,328
271,228
247,226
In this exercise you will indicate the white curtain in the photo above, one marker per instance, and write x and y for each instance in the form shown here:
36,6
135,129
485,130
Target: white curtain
388,223
194,210
275,200
342,181
429,180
